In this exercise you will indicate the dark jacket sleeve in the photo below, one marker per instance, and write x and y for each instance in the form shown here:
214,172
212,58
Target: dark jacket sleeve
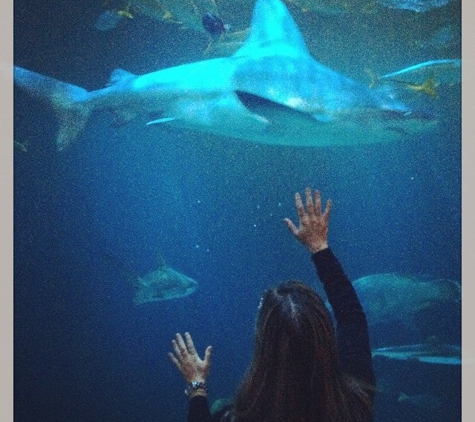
352,328
198,410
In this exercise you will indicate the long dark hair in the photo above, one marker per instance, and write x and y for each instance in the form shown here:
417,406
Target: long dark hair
294,375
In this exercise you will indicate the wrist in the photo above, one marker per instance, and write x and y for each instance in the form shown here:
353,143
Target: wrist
196,388
318,247
196,393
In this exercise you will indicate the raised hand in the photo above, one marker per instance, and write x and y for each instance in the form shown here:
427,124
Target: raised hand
313,225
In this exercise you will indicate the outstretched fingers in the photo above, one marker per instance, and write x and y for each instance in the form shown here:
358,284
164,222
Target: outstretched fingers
328,208
175,361
318,202
207,357
189,344
179,345
299,205
310,207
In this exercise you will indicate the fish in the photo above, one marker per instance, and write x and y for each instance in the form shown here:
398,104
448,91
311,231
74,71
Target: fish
446,72
219,404
419,6
440,354
107,20
424,401
324,7
392,297
424,77
303,102
164,283
22,146
214,25
186,13
448,36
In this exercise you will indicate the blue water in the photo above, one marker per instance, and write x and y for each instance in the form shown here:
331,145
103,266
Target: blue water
213,208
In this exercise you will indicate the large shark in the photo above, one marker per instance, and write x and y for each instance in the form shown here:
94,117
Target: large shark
391,297
270,91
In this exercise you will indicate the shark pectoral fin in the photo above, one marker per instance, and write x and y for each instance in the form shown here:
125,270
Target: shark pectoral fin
162,120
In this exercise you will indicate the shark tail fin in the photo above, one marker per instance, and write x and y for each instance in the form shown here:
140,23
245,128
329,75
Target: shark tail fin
69,102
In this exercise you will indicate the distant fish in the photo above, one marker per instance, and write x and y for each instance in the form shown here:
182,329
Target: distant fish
424,401
324,7
445,71
414,5
214,25
108,20
187,13
163,284
22,146
445,37
424,77
391,297
219,404
441,354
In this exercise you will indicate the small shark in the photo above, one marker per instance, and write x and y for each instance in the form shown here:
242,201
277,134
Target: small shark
270,91
441,354
163,284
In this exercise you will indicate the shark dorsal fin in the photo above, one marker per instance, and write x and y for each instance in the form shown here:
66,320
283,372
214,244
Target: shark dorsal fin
273,27
119,75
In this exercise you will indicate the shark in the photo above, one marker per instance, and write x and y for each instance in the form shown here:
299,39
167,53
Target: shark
271,91
440,354
163,283
395,297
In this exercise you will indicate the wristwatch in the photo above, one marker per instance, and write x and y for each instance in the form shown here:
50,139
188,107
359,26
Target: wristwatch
195,385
